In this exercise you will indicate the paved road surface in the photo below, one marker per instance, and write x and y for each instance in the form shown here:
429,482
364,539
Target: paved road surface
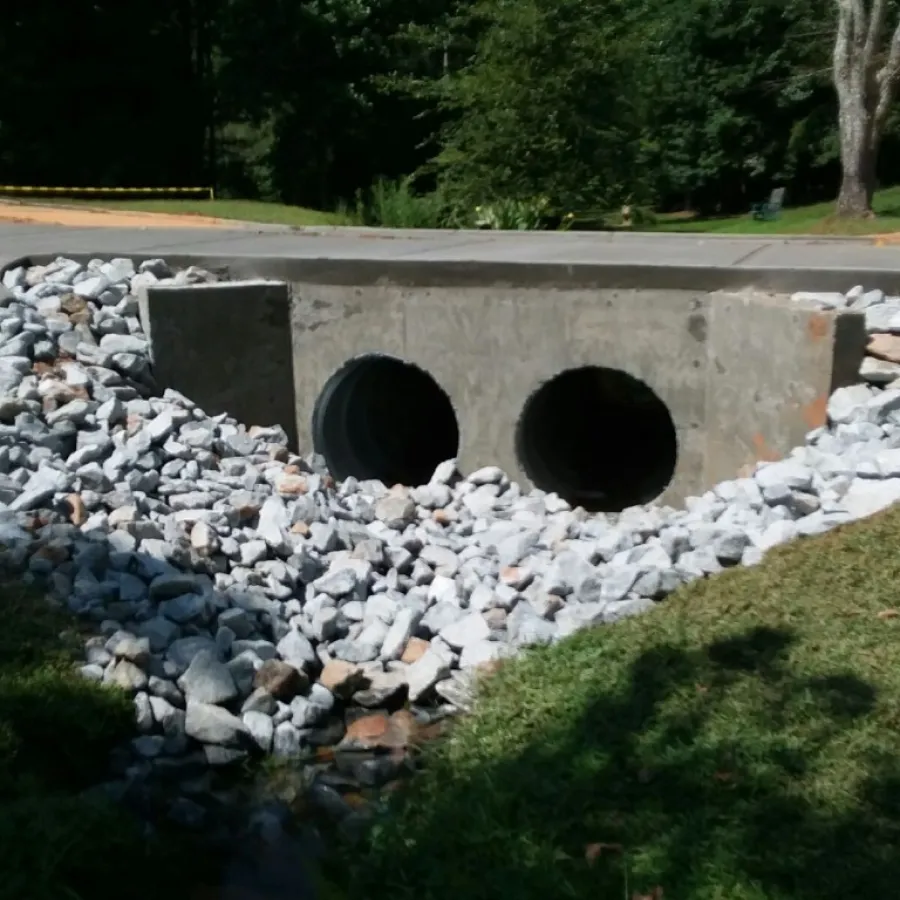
18,240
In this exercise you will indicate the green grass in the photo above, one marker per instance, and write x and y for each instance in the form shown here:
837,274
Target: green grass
394,204
816,219
241,210
739,743
56,733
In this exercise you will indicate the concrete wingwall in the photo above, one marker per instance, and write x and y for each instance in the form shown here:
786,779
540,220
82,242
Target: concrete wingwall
227,346
744,371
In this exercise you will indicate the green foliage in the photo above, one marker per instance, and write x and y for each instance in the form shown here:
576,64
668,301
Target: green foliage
730,82
244,164
41,699
642,217
673,103
395,204
542,105
738,742
512,215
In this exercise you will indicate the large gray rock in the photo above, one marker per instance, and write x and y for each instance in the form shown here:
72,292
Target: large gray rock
208,680
214,725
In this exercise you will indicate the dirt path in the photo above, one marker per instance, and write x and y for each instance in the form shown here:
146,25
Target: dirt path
85,217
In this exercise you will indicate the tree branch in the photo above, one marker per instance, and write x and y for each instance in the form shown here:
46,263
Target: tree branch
874,31
858,20
887,79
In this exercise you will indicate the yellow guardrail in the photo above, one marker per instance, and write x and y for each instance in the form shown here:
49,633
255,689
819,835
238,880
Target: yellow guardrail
207,192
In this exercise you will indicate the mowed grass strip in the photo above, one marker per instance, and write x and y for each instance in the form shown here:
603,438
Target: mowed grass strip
815,219
738,743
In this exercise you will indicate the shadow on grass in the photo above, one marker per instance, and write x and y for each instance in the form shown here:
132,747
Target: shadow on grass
722,772
58,839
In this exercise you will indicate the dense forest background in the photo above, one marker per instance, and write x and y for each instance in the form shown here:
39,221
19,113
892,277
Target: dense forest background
702,104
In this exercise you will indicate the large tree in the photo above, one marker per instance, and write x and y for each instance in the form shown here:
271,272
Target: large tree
540,99
730,81
866,73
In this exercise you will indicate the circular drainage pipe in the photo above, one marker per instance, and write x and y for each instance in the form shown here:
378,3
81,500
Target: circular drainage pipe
599,438
380,417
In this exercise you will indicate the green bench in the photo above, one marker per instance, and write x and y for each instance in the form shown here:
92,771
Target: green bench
769,211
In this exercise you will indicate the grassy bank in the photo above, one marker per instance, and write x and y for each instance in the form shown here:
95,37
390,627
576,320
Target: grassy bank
739,743
56,732
817,218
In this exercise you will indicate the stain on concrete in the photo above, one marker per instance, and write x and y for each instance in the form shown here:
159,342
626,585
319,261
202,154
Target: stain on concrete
310,313
815,414
697,327
762,451
817,327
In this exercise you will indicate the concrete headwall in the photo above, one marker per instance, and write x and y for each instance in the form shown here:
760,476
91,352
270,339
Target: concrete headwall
744,372
743,375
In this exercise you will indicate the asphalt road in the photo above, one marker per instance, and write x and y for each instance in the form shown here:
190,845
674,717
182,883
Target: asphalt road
18,240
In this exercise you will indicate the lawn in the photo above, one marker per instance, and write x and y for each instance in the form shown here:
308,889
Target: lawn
738,743
816,219
241,210
56,732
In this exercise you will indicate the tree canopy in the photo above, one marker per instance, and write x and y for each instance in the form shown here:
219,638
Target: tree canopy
587,103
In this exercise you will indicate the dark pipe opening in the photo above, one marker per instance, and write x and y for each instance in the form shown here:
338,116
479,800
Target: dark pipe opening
599,438
379,417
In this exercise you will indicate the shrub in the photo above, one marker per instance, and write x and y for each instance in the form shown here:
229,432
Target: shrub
395,204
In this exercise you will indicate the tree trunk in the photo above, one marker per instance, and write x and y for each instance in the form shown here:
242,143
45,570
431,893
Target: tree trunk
858,159
866,73
855,198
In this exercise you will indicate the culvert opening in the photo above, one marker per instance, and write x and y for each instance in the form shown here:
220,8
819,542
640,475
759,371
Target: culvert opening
380,417
599,438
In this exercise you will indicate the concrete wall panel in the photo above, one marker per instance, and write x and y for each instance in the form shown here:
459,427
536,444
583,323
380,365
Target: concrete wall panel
661,338
772,367
226,346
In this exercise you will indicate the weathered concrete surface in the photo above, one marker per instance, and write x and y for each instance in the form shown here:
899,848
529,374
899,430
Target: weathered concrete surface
833,260
703,321
744,376
225,346
770,370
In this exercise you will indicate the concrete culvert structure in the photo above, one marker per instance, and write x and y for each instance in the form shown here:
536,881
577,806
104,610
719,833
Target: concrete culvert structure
380,417
598,437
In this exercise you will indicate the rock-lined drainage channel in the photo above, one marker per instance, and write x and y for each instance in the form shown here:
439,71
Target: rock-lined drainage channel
251,605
